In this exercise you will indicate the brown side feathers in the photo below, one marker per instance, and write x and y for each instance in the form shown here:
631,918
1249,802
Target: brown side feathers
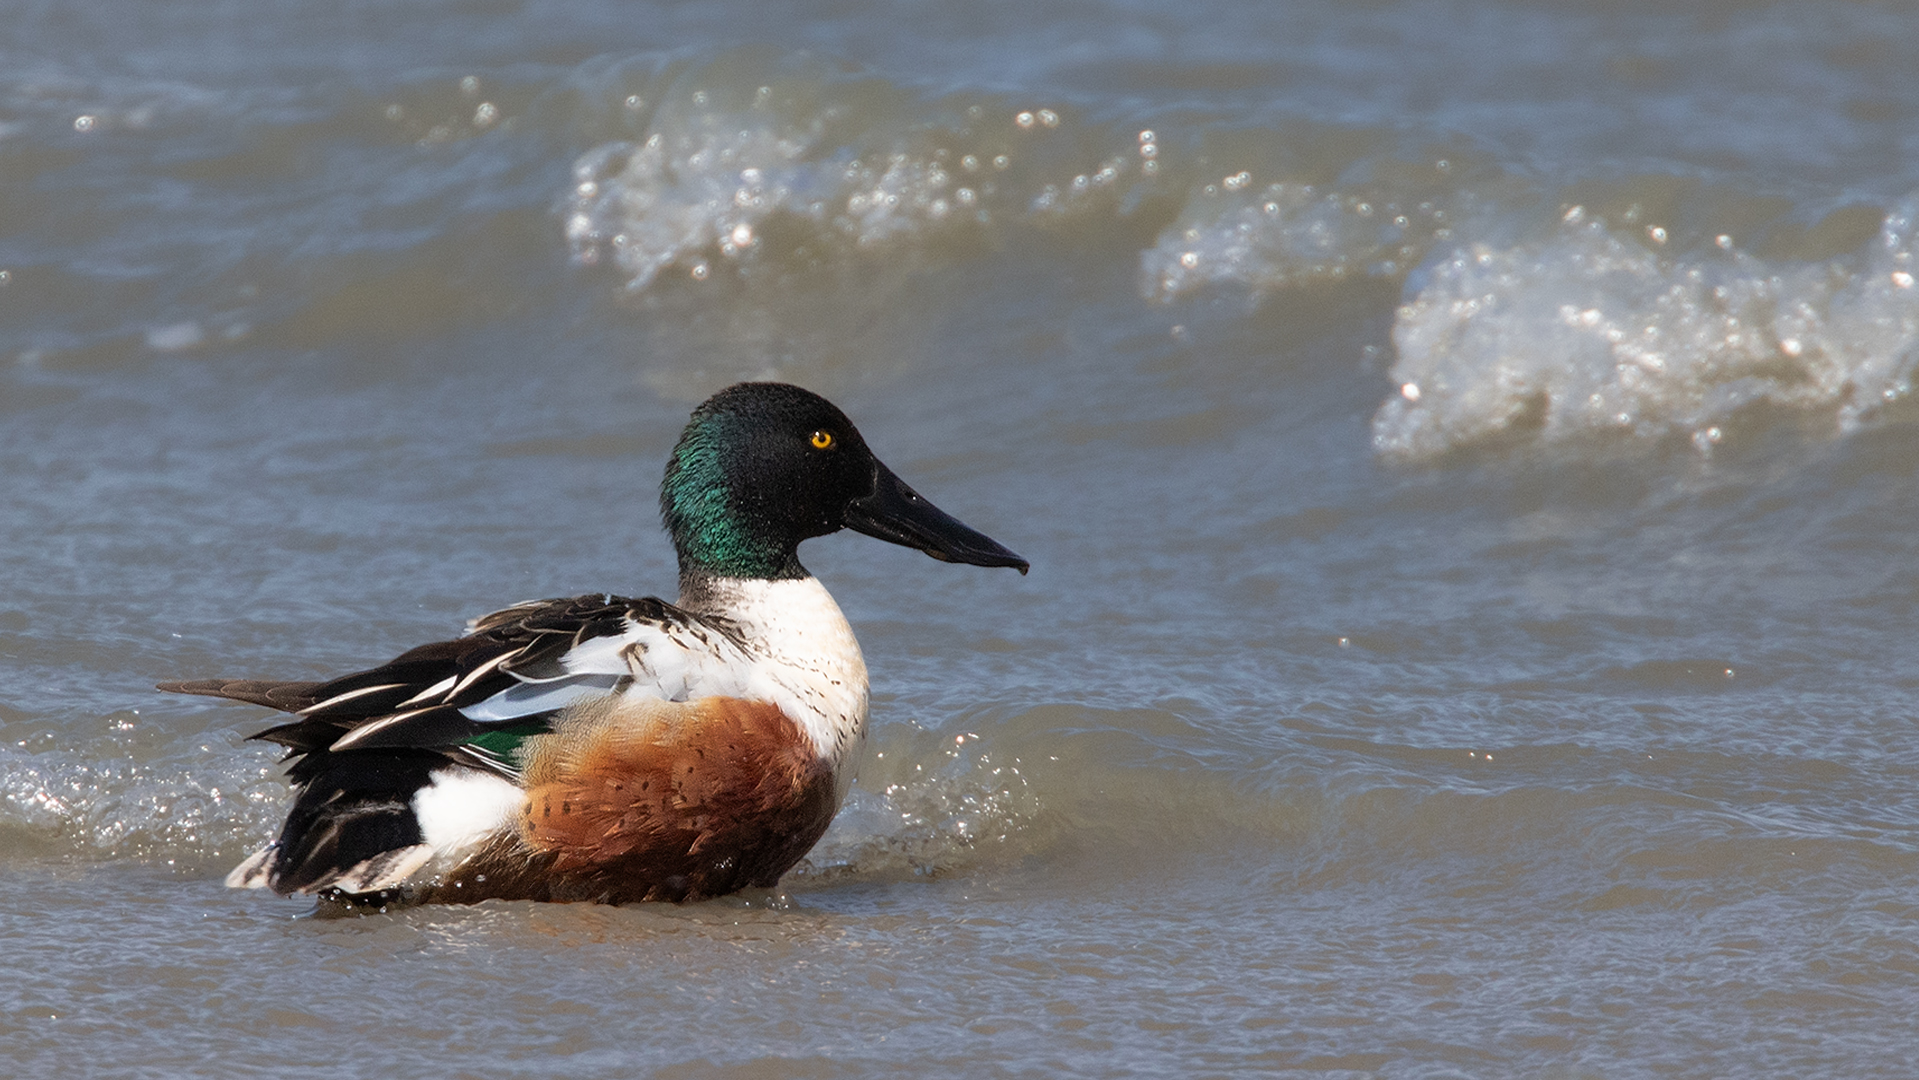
663,801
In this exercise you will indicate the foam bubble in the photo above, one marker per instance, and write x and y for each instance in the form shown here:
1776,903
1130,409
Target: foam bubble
1586,332
1267,238
752,161
176,337
702,186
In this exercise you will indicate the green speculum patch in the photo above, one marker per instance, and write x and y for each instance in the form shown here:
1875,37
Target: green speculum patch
504,742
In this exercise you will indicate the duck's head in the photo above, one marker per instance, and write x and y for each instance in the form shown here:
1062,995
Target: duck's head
762,466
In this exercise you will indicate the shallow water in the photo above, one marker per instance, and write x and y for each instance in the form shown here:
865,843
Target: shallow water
1466,452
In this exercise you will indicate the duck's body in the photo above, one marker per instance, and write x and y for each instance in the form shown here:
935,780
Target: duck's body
607,749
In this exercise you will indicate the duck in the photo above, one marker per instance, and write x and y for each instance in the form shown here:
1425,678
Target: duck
605,749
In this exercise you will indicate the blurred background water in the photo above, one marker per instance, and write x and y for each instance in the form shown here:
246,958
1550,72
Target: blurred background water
1466,450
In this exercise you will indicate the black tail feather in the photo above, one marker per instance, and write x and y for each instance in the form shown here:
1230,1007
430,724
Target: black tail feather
284,696
352,807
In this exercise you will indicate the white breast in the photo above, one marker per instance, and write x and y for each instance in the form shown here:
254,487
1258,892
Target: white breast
801,655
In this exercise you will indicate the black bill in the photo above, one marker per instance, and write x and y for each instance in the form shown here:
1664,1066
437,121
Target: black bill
897,513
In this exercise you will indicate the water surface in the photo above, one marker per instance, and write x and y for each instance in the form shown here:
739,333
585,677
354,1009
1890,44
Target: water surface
1467,453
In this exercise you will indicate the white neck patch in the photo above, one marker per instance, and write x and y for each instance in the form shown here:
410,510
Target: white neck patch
809,661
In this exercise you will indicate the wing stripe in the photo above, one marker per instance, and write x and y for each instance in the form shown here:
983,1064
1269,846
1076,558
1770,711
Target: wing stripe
479,673
431,691
341,699
366,731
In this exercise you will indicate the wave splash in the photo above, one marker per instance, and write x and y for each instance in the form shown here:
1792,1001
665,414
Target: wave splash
1287,234
757,158
706,186
770,167
128,788
1588,333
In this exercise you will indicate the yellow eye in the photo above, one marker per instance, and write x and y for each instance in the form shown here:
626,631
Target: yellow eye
822,440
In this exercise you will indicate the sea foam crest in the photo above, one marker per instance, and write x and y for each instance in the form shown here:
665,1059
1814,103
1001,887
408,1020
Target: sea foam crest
1283,234
760,159
1583,332
709,176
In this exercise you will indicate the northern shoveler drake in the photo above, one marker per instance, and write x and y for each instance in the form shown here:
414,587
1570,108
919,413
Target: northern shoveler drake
607,749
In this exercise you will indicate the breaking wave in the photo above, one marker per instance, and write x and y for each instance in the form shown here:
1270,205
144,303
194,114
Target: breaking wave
758,165
1589,332
757,160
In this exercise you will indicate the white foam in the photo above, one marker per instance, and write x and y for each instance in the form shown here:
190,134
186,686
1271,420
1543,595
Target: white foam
1586,332
176,337
1265,238
700,189
717,174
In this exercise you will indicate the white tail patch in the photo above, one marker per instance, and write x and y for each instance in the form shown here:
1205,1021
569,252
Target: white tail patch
460,810
463,808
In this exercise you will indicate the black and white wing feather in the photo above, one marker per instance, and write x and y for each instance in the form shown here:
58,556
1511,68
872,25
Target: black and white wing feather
513,671
370,751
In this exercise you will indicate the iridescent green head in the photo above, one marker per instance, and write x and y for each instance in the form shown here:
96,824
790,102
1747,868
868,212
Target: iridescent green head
763,466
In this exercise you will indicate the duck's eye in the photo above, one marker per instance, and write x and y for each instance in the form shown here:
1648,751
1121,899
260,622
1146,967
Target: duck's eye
822,439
